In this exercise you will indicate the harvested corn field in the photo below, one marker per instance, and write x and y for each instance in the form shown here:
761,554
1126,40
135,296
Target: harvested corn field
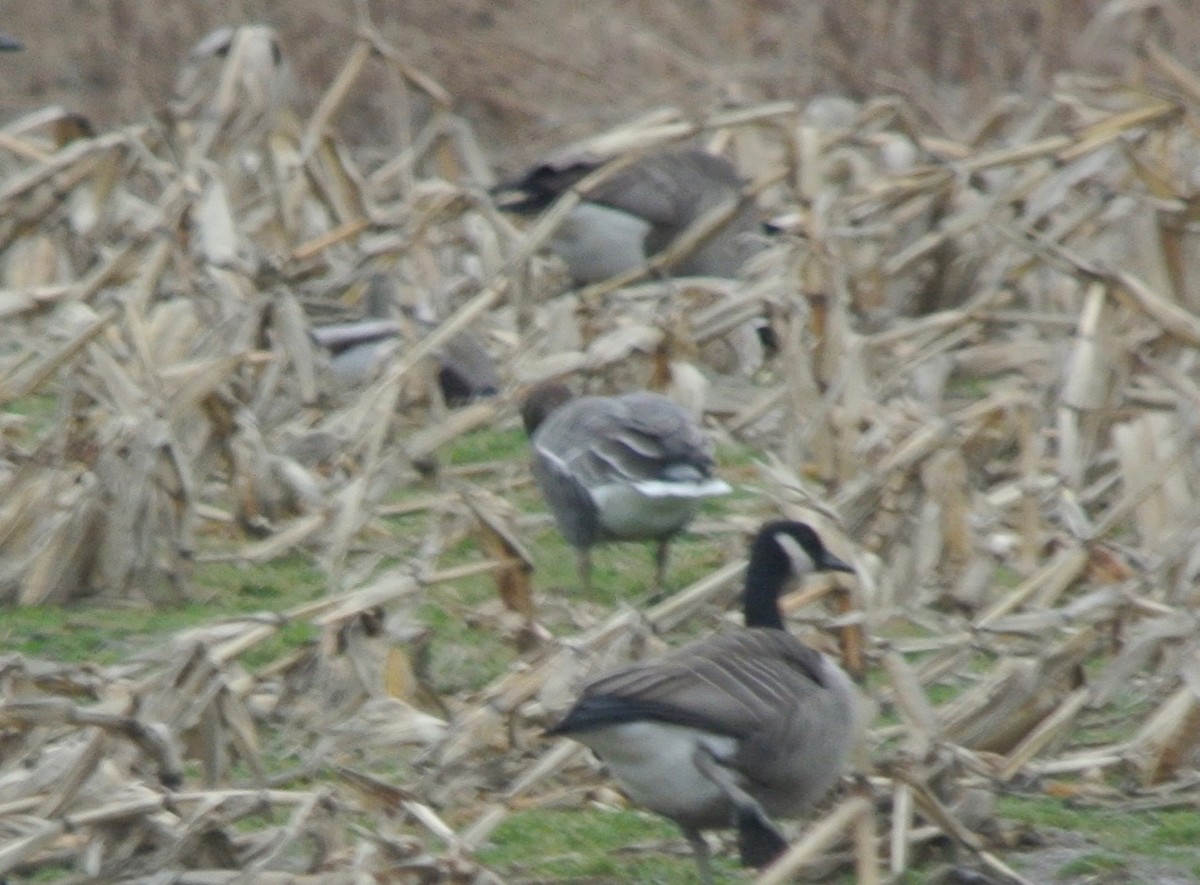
275,616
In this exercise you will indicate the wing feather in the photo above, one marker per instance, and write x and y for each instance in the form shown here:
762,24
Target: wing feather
638,436
734,684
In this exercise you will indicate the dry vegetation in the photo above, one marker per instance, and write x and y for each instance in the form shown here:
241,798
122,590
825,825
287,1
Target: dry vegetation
984,392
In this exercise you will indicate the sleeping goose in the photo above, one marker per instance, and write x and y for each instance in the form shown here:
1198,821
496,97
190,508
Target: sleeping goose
361,348
630,467
735,729
639,211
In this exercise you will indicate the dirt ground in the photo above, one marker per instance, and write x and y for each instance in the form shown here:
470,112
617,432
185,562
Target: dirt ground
531,75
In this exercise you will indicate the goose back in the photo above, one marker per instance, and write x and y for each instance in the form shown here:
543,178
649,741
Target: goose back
631,466
639,210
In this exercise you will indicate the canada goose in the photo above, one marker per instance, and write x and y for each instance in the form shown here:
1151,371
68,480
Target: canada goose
359,349
639,211
630,467
735,729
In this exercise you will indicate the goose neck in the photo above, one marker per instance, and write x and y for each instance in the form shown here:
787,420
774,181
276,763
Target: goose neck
765,577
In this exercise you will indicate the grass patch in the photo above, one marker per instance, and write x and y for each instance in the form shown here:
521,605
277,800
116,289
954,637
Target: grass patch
1007,577
972,387
243,587
1091,865
487,445
462,656
1169,836
592,846
106,634
110,635
49,873
38,409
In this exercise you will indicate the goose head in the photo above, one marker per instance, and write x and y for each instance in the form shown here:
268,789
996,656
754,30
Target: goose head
782,551
541,401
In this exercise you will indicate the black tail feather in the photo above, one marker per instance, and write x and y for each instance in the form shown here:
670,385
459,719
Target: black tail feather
758,841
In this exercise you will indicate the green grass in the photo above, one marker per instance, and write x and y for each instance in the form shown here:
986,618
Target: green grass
1169,836
49,873
594,846
108,634
1004,576
1092,864
37,412
462,656
973,387
487,445
38,407
601,845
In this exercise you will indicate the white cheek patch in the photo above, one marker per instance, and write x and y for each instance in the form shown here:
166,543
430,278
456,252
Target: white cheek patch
802,563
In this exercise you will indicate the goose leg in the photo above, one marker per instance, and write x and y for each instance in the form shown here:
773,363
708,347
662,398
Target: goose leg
584,562
660,566
700,852
759,842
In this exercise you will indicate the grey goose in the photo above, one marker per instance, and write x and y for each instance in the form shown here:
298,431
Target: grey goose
735,729
359,349
629,467
639,211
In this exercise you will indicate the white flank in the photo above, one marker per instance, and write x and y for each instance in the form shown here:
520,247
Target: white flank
653,762
656,488
628,511
598,242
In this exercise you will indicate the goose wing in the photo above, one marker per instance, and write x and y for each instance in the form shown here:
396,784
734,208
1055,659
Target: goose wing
736,684
669,190
639,437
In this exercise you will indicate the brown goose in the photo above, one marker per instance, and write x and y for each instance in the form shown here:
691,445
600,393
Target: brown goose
631,467
735,729
638,212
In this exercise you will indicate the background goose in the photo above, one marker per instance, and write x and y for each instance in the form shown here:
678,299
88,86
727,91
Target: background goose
735,729
631,467
361,348
639,211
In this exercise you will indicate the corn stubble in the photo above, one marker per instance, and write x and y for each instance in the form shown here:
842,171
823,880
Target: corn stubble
981,385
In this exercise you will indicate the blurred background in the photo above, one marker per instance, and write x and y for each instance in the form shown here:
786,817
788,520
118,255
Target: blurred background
537,73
